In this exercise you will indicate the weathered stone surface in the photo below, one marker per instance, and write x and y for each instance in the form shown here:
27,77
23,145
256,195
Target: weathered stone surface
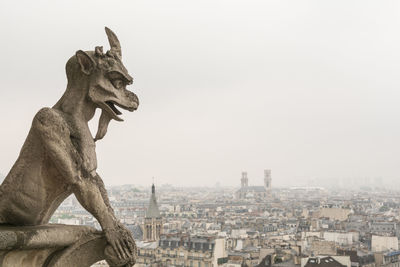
8,239
43,236
26,258
51,245
58,158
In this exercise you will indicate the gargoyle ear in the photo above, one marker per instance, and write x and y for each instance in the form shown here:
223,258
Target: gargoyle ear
86,62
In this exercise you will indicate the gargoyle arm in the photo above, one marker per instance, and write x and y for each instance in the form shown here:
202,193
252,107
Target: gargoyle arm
103,192
89,194
92,194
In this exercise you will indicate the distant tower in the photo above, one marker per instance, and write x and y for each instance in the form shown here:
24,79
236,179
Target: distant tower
267,179
244,180
152,222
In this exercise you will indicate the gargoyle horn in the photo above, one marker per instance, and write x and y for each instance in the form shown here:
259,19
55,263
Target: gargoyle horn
114,43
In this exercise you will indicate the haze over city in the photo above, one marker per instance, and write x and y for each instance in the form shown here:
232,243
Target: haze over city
308,89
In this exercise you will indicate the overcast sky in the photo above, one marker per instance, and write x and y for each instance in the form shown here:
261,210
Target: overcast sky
308,89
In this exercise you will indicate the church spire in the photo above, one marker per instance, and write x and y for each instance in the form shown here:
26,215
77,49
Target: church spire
152,228
152,210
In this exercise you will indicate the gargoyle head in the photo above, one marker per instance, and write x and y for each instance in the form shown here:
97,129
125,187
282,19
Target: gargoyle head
104,79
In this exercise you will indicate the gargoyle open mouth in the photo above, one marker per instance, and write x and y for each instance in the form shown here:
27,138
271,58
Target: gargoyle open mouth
110,106
113,108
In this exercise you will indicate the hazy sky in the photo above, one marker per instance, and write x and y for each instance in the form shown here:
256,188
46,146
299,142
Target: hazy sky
309,89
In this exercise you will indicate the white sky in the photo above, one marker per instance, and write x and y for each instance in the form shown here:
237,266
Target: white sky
309,89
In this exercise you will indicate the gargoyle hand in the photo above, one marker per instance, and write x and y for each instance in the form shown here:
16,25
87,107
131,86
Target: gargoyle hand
122,245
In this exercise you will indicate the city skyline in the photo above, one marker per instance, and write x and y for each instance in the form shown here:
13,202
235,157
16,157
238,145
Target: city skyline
203,226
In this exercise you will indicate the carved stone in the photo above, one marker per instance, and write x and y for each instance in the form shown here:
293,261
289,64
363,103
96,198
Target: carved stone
57,159
50,245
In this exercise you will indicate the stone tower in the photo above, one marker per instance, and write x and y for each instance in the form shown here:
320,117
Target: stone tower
152,222
267,179
244,180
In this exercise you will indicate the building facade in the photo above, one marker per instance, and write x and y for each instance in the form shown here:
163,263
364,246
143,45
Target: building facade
182,250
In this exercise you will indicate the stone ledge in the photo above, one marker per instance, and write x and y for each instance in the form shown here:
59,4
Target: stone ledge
50,245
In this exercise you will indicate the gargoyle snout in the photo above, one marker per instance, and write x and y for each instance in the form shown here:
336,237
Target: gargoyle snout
134,100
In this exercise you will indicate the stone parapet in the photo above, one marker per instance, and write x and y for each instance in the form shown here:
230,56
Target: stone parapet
51,245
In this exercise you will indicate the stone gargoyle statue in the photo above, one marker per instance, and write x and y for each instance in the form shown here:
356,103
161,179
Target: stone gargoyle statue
58,157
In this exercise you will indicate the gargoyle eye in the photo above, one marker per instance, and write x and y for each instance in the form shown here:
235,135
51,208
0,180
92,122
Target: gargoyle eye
118,83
